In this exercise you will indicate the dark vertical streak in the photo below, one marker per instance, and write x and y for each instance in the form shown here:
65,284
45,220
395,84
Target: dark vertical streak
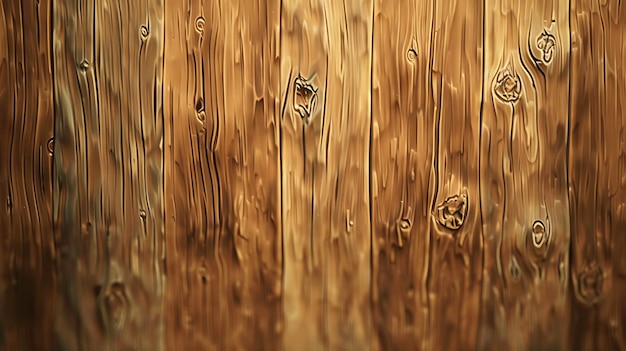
481,316
279,122
375,334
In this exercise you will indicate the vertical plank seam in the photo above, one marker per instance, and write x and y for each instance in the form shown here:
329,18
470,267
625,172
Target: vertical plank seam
372,324
570,291
479,182
280,165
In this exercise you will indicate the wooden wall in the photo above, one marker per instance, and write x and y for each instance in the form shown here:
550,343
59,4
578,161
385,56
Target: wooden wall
312,174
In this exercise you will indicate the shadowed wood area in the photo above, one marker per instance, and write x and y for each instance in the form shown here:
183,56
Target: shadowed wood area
27,252
108,210
312,175
597,175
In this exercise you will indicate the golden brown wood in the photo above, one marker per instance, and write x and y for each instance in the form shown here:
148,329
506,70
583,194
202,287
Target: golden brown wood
402,175
325,120
456,254
108,210
523,175
312,174
597,175
221,182
27,277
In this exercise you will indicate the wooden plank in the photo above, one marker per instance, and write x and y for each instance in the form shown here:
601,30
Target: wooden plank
27,275
402,177
325,124
221,184
524,176
456,253
596,174
108,210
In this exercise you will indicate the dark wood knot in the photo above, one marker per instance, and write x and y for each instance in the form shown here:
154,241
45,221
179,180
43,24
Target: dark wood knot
305,98
144,32
50,146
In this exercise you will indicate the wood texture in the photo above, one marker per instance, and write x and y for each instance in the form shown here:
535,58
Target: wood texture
312,174
27,251
597,175
402,173
326,54
108,210
524,176
221,183
456,254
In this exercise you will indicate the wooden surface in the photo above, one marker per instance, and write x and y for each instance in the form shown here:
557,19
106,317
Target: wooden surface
312,174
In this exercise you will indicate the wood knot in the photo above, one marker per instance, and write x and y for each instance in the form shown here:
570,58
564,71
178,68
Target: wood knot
590,284
199,24
403,228
514,269
539,235
144,32
405,224
202,274
411,55
115,303
142,214
508,84
200,114
50,146
84,65
451,213
546,43
305,98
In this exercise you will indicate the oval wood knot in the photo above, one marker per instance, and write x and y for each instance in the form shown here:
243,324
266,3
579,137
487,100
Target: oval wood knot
539,234
144,32
451,213
200,24
411,55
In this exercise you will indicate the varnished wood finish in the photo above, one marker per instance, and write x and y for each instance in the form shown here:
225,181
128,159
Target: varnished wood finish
312,175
